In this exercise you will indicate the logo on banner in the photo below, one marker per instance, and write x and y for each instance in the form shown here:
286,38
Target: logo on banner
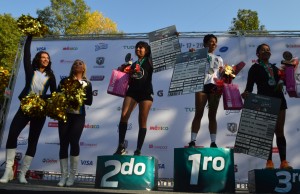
49,161
100,60
223,49
100,46
161,166
41,48
97,78
160,93
158,147
159,128
65,61
83,144
52,124
22,141
95,92
292,45
70,48
63,76
232,127
87,162
129,126
189,109
91,126
128,47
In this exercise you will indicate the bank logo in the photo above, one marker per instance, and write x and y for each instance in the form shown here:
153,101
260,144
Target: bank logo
101,46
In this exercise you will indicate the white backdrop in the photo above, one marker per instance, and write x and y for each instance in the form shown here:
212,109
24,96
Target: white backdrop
170,117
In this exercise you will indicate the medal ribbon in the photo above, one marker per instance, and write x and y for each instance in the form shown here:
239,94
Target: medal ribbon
140,62
268,69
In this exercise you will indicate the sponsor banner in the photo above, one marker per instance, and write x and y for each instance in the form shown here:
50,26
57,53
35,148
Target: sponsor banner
170,118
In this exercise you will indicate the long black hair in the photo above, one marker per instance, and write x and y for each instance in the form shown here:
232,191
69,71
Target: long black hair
36,63
144,45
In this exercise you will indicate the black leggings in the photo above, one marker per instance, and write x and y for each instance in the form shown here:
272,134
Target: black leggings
69,134
18,123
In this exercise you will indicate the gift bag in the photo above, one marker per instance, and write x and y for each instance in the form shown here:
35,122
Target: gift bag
297,79
232,99
118,83
290,81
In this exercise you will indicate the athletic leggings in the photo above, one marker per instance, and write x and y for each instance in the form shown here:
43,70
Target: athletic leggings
18,123
69,134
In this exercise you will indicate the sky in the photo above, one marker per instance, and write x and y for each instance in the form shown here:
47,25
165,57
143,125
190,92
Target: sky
143,16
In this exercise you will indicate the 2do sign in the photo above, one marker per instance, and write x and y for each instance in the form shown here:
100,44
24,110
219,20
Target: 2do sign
126,172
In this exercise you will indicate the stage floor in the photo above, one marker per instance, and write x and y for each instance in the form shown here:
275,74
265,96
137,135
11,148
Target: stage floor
45,186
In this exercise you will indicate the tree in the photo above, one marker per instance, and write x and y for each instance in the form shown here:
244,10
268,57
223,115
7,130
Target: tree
9,40
65,17
96,24
246,20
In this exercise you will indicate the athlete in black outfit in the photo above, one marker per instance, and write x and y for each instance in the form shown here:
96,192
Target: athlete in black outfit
39,77
140,92
71,130
265,76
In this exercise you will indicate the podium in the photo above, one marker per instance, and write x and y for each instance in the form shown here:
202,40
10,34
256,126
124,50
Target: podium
126,172
274,181
204,170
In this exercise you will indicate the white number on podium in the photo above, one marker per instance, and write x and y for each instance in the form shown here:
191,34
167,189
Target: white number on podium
127,168
285,181
195,158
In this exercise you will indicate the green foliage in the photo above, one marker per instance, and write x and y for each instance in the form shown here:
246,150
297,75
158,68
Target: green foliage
69,17
246,20
9,40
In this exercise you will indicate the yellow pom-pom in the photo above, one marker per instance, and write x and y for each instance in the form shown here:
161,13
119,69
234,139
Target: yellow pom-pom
33,105
31,26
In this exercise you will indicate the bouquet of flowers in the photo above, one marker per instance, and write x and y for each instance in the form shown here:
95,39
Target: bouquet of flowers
31,26
228,74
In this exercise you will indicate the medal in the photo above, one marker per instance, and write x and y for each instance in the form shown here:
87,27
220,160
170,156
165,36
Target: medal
271,82
270,73
211,71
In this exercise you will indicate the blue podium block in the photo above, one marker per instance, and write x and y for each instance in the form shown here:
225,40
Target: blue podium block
204,170
274,181
126,172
